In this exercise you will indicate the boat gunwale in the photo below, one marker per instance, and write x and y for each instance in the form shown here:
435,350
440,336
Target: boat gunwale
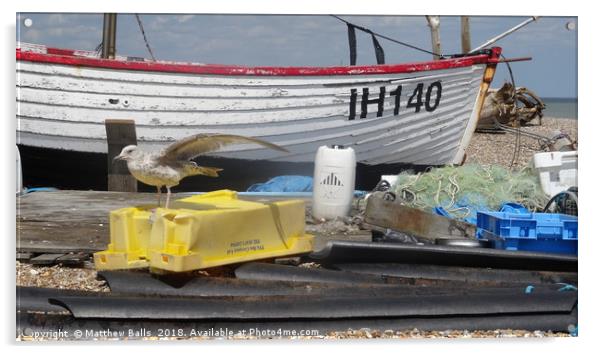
70,58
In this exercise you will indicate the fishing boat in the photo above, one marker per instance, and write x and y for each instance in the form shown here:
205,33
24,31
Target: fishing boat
421,113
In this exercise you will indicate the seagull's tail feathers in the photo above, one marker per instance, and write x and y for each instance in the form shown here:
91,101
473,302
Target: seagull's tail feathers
205,171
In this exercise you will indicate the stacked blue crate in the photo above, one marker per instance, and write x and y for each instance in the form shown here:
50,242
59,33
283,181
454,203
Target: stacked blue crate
539,232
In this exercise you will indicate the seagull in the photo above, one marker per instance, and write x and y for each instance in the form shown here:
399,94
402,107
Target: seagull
172,164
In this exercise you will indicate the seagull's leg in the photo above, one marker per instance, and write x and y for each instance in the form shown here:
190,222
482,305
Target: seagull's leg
159,195
153,214
168,195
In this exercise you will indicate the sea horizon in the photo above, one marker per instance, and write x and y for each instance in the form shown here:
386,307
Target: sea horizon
561,107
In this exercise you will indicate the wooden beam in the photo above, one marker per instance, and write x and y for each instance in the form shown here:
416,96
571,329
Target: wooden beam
502,35
415,222
465,29
120,133
511,60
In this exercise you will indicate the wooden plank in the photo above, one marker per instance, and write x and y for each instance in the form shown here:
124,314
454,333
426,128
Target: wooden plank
79,206
73,259
120,133
61,237
56,257
322,239
414,221
74,221
78,221
46,259
24,256
71,221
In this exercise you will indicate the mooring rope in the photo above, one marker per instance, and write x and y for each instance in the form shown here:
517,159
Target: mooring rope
517,140
98,48
144,36
367,30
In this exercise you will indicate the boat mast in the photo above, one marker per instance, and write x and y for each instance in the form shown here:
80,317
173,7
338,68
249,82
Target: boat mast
465,30
433,22
108,35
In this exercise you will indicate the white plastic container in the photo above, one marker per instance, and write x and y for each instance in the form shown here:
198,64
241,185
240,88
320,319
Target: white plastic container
557,170
392,179
334,182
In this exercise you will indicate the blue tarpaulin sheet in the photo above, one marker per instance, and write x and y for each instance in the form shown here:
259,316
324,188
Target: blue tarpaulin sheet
289,185
284,184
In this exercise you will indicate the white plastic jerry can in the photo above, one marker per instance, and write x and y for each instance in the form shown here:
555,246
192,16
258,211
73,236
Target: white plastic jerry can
334,182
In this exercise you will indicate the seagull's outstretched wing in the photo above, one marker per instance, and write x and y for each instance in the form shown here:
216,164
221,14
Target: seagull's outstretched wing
196,145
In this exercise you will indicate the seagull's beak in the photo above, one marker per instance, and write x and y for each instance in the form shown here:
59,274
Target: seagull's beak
118,157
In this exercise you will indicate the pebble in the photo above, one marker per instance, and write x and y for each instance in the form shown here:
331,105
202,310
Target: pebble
59,277
489,149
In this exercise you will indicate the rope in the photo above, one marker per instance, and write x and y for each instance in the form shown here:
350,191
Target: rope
573,328
517,141
385,37
98,49
144,36
535,136
555,198
517,131
565,287
39,189
461,191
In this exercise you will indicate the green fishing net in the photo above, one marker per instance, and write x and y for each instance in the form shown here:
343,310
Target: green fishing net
461,191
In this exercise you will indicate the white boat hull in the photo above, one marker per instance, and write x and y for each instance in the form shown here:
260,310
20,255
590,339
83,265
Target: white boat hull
64,106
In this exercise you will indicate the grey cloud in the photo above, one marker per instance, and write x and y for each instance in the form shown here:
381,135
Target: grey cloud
184,18
57,19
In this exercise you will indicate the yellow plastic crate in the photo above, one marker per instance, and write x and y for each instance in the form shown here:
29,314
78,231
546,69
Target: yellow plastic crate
204,231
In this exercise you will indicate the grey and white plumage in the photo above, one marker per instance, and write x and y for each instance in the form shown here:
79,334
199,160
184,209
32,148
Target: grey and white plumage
169,166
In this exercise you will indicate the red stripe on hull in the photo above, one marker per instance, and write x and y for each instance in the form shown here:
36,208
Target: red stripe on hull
57,51
65,57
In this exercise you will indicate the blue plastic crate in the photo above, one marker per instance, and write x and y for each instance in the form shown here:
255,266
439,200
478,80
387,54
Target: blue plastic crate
540,232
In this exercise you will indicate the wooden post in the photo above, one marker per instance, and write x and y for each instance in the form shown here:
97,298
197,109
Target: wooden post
108,36
120,133
433,22
465,29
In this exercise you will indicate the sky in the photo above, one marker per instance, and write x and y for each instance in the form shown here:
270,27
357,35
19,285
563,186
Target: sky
318,40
